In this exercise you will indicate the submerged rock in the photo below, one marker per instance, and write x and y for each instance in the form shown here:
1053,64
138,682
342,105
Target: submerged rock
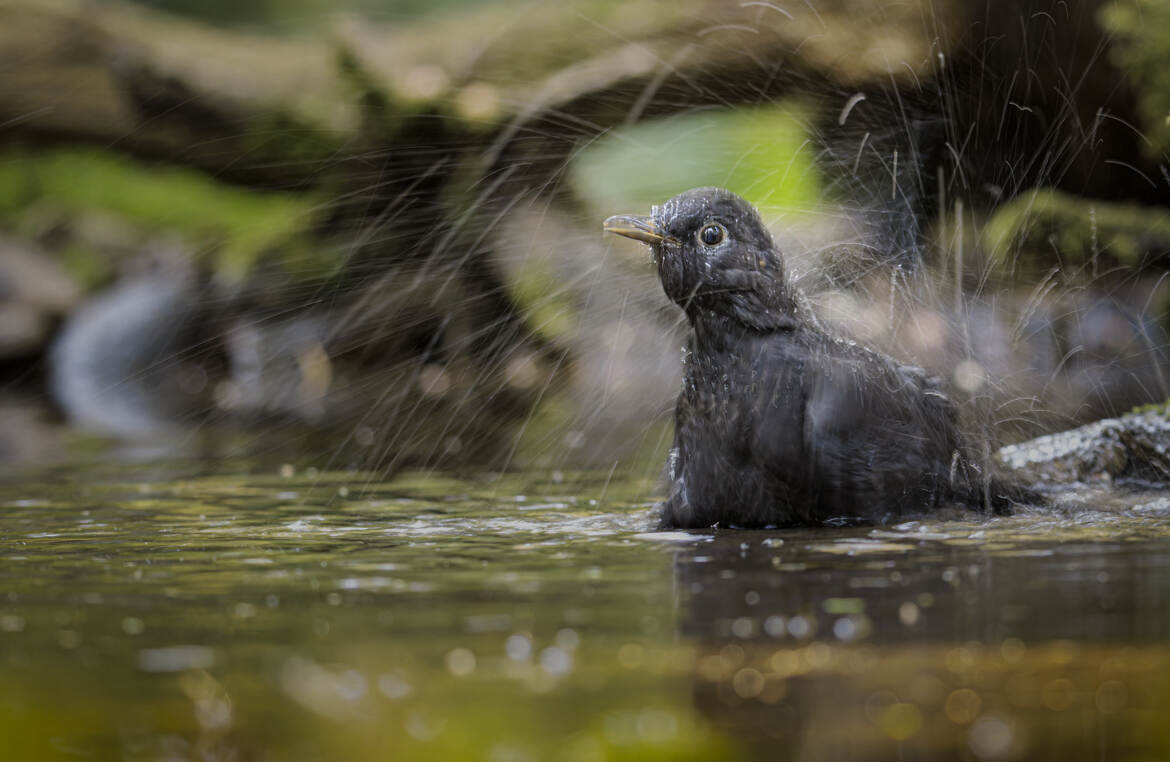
1133,447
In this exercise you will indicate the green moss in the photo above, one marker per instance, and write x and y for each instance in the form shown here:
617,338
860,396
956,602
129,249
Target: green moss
760,153
1162,408
1141,49
14,191
1045,227
232,225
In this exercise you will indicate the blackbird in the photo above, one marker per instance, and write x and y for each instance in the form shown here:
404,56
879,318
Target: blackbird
779,422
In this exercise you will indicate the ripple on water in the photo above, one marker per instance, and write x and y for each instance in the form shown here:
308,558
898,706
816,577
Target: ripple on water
434,619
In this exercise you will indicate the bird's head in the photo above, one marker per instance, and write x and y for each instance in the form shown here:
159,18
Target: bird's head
714,257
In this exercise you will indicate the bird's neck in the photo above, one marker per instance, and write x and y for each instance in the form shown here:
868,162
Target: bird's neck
746,314
716,333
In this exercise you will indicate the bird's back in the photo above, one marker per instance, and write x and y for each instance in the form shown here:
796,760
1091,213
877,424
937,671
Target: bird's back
881,438
798,427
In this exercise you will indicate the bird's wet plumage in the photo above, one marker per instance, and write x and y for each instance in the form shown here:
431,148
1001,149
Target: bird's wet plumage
778,421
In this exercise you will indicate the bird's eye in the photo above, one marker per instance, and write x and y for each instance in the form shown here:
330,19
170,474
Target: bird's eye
713,234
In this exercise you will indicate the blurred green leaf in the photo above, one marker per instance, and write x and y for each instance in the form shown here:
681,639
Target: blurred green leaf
761,153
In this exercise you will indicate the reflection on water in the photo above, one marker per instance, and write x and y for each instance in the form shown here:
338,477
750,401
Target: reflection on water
1024,638
328,616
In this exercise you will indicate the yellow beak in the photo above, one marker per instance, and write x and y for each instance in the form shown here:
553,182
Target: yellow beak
642,229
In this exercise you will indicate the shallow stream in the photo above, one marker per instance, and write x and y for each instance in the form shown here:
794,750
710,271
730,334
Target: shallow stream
168,613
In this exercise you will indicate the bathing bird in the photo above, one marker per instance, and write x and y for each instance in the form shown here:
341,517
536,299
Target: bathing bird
780,422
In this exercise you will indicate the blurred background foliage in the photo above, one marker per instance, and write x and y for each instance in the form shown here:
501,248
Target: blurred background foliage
762,153
89,187
305,15
1140,29
380,220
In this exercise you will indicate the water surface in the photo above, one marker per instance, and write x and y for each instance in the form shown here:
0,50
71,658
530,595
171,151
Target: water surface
166,613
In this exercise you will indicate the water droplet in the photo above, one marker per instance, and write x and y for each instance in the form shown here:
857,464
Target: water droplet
748,683
743,627
799,627
518,647
568,639
393,687
962,706
460,662
991,738
845,629
775,626
556,661
969,376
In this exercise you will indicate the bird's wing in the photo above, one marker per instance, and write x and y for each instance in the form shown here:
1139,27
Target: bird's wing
876,433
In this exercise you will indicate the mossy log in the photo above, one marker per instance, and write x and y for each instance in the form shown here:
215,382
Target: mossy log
144,83
1045,228
265,110
241,103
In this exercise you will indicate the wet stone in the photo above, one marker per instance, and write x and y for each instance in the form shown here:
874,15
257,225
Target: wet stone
1135,447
